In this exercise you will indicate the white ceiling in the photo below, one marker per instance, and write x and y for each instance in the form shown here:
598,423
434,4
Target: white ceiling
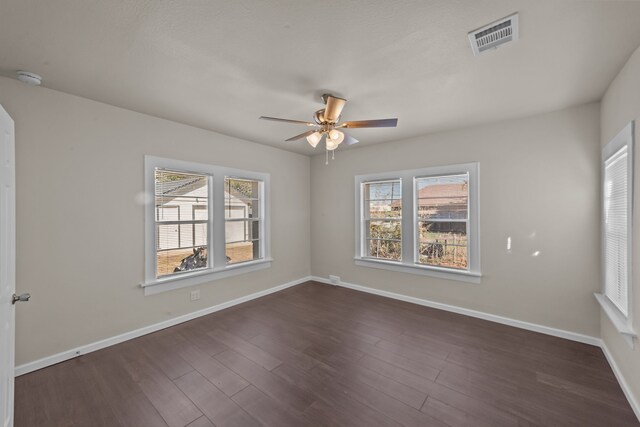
219,65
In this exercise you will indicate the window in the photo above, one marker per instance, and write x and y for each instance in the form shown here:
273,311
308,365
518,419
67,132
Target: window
422,221
617,202
181,204
203,222
616,229
383,219
442,207
242,219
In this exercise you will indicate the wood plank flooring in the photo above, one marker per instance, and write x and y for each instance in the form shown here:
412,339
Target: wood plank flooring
317,355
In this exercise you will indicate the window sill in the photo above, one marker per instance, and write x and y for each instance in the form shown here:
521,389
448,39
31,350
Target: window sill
618,320
157,286
442,273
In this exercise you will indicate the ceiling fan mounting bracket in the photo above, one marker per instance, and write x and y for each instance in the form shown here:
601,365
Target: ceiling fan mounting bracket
318,116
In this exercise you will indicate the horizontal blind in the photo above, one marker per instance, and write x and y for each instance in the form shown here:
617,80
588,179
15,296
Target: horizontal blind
181,216
616,211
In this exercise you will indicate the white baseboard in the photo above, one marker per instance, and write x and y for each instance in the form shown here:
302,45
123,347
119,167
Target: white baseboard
573,336
635,405
88,348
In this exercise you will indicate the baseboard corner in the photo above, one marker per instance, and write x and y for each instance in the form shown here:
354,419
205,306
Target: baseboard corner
631,398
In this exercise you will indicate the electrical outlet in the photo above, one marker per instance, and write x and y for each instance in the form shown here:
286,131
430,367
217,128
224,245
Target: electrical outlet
335,280
195,295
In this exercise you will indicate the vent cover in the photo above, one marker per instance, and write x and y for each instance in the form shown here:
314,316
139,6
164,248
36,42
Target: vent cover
496,34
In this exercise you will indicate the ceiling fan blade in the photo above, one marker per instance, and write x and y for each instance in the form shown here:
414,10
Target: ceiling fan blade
382,123
276,119
333,108
349,140
302,135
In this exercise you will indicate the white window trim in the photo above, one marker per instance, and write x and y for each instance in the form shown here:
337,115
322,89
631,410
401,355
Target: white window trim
409,220
624,324
218,267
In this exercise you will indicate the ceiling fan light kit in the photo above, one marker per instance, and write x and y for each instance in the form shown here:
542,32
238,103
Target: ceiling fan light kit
327,125
314,139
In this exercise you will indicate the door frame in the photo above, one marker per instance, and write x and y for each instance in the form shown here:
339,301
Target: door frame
7,267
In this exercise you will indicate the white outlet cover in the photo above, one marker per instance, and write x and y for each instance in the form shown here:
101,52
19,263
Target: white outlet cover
195,295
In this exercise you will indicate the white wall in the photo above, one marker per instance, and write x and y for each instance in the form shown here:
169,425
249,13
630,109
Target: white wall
539,181
620,105
81,259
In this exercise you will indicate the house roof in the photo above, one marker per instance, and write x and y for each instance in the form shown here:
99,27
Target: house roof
443,194
169,190
440,195
179,187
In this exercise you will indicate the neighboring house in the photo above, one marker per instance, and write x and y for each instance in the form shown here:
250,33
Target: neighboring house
182,204
442,202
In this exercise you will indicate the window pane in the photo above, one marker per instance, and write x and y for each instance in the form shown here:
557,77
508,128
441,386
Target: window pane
167,213
199,213
390,230
241,188
177,260
443,244
385,249
241,212
200,235
384,208
243,241
180,199
387,190
241,231
235,207
242,251
443,197
383,199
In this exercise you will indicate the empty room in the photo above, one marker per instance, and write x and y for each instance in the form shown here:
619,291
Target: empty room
338,213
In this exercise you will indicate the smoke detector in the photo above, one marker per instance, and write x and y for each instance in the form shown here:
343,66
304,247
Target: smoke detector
494,35
32,79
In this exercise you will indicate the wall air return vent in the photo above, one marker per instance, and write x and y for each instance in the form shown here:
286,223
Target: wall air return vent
496,34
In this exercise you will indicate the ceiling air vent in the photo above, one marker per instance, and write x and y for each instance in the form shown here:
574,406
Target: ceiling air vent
496,34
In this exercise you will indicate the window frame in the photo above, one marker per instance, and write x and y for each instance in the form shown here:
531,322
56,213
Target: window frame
179,223
409,254
624,324
367,219
259,219
217,267
416,208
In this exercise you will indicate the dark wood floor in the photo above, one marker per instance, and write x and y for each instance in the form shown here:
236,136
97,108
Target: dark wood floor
316,355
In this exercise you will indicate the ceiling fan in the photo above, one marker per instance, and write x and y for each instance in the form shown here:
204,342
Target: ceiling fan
327,124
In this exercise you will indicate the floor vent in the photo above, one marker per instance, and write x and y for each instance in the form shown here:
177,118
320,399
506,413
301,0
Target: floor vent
496,34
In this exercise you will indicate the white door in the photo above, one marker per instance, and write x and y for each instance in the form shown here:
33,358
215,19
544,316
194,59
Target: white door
7,267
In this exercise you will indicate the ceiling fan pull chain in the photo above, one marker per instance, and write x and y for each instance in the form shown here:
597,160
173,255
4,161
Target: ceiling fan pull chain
333,155
326,162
